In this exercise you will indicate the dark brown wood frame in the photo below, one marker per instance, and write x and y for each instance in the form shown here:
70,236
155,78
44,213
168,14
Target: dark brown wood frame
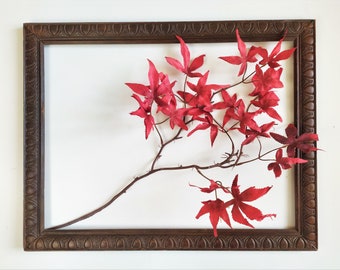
37,35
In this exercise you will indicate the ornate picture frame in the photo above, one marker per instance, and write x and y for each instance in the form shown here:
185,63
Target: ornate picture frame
38,35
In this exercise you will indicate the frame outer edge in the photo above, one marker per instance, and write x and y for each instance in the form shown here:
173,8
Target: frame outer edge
32,151
36,238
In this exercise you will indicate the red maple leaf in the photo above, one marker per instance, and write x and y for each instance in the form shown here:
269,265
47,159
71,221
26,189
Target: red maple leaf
163,94
239,205
245,56
230,103
206,122
283,163
275,56
159,89
176,116
144,111
201,98
266,104
147,91
246,119
266,81
303,142
216,210
251,134
187,67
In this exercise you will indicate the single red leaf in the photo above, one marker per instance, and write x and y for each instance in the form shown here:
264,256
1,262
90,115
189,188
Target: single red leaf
275,56
144,111
283,163
265,81
245,118
207,122
187,67
251,134
303,142
244,57
239,207
216,210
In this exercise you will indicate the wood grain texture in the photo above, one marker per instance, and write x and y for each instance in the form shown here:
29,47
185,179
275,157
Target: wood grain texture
37,35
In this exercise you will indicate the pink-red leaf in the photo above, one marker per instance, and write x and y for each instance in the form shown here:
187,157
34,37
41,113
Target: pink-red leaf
216,210
266,102
303,142
244,58
283,163
144,111
275,56
207,122
251,134
239,207
187,67
265,81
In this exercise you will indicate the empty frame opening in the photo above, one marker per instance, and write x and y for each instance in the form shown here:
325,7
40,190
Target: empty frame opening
94,147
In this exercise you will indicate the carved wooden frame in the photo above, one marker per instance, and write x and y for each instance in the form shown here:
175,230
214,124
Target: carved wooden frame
37,35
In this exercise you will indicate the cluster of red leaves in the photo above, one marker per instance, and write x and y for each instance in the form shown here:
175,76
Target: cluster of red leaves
197,102
218,209
304,143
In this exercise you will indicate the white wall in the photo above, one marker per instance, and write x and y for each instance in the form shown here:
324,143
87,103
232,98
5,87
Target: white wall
13,13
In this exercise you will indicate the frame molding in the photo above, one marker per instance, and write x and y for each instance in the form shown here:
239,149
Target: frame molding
37,35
